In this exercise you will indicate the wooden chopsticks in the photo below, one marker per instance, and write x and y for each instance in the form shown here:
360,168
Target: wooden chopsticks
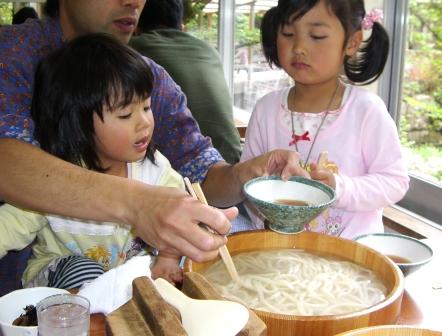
197,193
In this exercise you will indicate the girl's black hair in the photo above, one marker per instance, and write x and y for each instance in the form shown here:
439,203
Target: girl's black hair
368,63
81,78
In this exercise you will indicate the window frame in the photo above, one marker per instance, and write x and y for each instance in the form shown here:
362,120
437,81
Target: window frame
226,38
423,197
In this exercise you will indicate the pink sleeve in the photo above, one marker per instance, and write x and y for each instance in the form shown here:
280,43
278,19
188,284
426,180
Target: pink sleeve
386,179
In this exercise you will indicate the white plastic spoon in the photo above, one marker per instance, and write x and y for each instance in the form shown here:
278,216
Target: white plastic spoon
204,317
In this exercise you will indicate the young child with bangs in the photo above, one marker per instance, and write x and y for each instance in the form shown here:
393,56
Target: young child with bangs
91,107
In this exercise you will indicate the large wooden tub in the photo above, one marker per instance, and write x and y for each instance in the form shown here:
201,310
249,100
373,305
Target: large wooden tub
385,312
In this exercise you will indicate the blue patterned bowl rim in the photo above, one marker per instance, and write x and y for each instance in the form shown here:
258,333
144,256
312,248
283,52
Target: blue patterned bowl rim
325,188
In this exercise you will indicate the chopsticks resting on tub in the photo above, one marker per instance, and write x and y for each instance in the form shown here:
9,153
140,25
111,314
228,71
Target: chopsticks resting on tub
197,193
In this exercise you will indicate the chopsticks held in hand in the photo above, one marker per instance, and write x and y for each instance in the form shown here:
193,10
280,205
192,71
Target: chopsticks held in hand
197,193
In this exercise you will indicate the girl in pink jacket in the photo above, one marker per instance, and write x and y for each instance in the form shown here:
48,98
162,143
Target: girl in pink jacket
312,41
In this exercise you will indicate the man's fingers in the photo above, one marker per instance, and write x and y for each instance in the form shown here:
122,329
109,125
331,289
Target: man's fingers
188,229
218,220
198,254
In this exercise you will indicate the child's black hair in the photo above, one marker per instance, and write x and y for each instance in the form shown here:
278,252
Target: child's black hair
370,60
81,78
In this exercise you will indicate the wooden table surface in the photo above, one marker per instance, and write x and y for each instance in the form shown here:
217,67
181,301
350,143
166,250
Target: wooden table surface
421,303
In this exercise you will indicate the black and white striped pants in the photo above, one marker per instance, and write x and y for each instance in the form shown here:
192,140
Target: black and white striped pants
73,271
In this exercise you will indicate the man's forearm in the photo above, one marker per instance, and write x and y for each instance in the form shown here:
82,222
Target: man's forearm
163,217
222,186
35,180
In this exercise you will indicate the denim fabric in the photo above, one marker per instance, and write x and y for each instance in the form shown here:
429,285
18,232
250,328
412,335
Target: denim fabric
12,267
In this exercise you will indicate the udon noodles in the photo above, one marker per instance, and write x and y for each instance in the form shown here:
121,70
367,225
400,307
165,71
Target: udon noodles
296,282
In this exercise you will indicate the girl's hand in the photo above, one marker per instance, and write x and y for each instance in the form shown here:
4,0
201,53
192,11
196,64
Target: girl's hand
284,163
322,175
167,267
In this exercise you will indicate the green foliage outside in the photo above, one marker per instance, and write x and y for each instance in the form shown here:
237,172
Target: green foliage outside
5,13
421,115
199,27
244,36
197,23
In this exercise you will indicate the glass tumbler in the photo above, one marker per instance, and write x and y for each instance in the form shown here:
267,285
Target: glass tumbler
63,315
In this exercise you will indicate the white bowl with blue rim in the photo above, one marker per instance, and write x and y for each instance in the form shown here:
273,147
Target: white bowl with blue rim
12,306
407,252
288,205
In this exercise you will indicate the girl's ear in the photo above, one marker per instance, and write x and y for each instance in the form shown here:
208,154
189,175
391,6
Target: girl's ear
354,43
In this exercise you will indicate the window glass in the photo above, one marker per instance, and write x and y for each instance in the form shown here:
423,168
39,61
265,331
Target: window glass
421,109
252,76
8,8
201,20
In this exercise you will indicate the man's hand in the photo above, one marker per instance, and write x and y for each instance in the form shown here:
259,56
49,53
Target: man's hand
168,218
223,184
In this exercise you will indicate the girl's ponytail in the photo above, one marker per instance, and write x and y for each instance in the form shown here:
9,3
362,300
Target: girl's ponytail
371,58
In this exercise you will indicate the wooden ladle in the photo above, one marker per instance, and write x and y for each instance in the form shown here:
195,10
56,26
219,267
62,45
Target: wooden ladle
204,317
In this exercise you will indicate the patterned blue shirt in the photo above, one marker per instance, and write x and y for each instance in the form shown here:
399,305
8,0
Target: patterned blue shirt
176,133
